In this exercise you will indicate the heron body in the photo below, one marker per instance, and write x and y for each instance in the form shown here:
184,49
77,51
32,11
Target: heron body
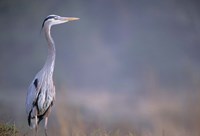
41,92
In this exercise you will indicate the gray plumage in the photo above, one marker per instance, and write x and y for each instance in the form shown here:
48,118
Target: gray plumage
41,92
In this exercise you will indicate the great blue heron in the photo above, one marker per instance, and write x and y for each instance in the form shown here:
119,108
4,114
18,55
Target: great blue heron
41,92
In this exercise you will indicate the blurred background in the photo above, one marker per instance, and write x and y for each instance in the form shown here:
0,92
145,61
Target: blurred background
125,65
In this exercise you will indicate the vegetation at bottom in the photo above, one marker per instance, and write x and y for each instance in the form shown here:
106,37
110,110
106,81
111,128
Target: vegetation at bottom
8,129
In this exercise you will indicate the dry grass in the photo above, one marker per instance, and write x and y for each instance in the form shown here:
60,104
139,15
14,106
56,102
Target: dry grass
165,115
8,130
73,123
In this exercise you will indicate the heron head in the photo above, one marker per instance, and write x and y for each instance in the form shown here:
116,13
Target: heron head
55,19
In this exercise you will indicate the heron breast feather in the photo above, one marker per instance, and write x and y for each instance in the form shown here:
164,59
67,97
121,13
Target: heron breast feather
44,101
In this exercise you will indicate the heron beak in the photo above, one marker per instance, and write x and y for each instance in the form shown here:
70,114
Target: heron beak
70,18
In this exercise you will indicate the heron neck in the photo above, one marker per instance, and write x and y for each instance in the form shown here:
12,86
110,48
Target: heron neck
49,65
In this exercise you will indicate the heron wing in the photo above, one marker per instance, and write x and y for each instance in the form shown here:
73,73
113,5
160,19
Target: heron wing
41,93
32,94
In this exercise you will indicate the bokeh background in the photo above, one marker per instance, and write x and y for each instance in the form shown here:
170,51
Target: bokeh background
125,65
